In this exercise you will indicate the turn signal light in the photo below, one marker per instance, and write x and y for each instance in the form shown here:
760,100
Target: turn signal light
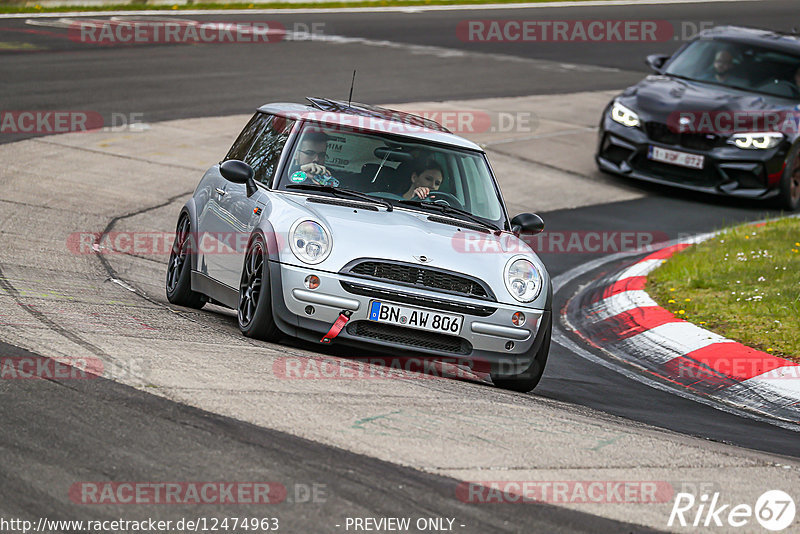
312,281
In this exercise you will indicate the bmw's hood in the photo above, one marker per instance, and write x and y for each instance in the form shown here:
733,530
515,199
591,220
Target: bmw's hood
657,96
407,236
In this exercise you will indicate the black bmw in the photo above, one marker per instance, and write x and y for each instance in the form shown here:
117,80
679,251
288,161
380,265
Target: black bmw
719,116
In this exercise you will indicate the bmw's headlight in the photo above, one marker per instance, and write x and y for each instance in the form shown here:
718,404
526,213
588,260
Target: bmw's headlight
756,141
523,280
624,116
310,241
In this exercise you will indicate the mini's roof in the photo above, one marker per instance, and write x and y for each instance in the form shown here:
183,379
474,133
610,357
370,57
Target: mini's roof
784,42
372,118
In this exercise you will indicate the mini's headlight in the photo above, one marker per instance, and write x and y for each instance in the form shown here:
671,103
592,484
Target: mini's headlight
624,116
310,241
756,141
523,280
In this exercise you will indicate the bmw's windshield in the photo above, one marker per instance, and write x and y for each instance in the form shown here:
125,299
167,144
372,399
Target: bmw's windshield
394,168
739,65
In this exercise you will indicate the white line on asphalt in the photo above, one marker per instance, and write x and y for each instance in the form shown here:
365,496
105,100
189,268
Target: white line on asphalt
560,337
393,9
426,50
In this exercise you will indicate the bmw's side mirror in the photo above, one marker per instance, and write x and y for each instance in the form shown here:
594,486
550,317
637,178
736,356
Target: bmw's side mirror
238,172
656,61
527,223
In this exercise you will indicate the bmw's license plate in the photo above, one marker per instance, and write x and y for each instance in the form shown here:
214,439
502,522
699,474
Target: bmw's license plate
674,157
411,317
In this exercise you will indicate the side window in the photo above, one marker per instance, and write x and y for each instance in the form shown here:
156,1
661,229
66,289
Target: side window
243,143
266,150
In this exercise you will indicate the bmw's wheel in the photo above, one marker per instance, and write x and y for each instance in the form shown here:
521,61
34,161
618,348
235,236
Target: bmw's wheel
790,182
179,283
529,378
255,302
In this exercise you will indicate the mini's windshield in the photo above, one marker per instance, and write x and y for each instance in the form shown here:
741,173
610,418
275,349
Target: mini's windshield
739,65
394,168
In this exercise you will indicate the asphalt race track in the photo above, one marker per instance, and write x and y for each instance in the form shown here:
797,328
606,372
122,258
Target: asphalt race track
203,409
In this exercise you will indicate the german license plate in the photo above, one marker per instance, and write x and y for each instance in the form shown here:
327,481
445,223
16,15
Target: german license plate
674,157
412,317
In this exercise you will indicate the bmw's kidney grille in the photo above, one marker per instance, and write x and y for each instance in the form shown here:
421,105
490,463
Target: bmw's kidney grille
420,277
661,133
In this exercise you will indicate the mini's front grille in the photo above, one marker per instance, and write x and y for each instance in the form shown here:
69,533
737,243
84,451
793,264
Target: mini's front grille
409,337
421,277
418,300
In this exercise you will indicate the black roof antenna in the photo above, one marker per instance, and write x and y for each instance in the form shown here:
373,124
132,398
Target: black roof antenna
352,83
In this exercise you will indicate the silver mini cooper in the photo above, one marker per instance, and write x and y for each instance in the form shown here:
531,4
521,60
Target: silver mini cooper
362,226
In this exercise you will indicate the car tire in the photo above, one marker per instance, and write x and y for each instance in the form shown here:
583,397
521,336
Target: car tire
789,198
254,310
179,268
528,379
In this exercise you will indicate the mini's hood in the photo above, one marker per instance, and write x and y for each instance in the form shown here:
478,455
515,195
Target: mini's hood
655,97
405,236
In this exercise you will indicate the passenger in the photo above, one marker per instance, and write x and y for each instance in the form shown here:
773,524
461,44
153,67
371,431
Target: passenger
428,176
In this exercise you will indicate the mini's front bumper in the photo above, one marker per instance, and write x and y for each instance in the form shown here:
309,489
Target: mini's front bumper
487,334
727,170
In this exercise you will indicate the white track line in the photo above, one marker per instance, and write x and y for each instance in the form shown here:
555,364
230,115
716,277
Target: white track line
394,9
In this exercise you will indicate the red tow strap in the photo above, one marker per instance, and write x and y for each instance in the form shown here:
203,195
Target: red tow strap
337,326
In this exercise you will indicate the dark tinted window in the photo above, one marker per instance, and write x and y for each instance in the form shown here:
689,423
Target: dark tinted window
245,140
266,149
740,65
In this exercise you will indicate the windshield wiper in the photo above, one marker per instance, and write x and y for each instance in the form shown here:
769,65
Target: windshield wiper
342,191
442,207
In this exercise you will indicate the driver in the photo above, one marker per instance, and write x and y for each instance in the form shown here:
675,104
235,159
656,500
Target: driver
309,158
722,70
428,176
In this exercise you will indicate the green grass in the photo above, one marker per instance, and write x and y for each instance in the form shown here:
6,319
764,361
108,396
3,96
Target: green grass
10,7
743,284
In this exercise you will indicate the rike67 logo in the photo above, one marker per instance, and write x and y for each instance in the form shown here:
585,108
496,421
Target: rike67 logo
774,510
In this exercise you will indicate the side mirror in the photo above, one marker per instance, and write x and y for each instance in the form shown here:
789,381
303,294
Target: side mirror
239,172
527,223
656,61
